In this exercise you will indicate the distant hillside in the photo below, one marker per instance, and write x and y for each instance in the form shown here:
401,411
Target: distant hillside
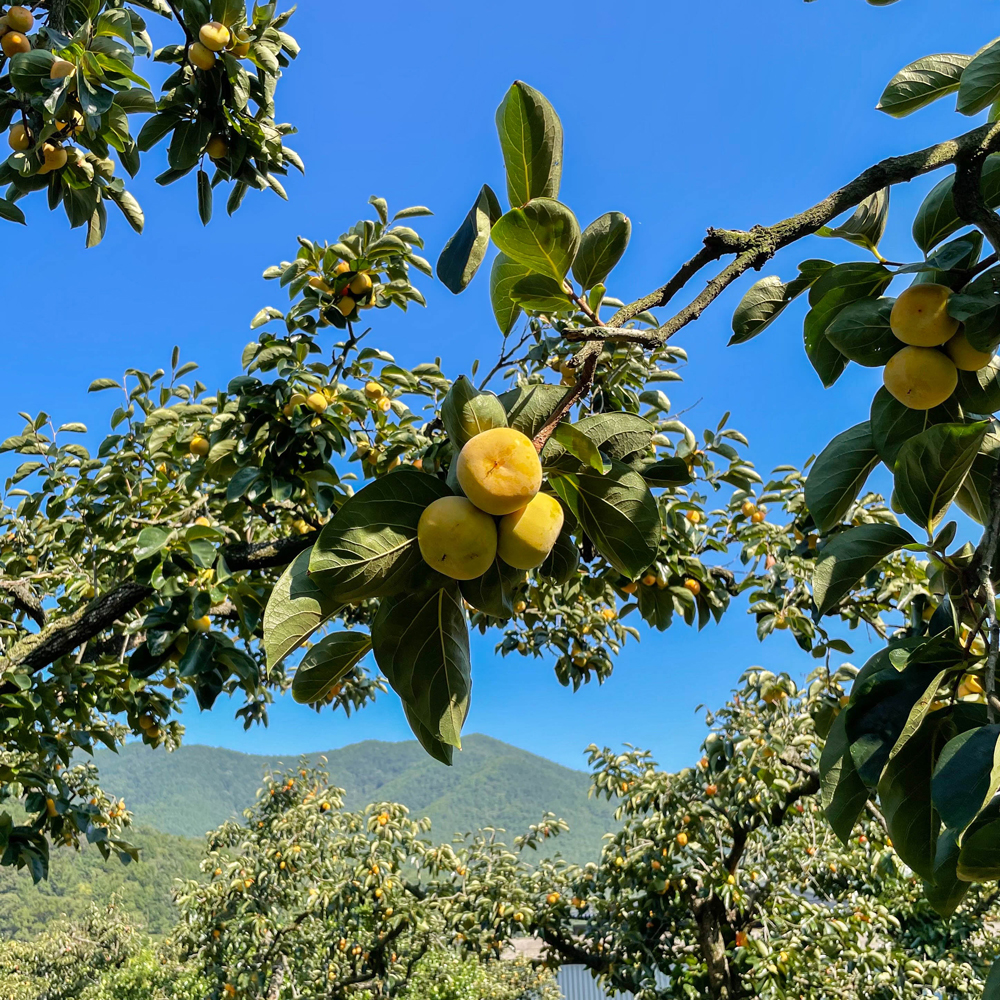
491,783
79,878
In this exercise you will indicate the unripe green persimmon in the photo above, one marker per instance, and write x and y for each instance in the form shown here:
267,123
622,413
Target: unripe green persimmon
526,537
920,317
965,356
499,470
920,377
456,538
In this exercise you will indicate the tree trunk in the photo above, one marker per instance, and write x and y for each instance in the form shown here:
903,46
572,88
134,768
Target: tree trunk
722,980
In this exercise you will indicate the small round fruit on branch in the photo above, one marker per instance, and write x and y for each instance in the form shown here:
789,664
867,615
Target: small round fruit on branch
456,538
920,377
965,356
499,470
214,36
61,68
19,139
200,56
526,537
217,148
20,19
53,158
14,42
920,317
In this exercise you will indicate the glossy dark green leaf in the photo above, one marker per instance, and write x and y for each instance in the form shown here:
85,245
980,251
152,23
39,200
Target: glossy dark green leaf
543,235
601,247
295,609
862,334
979,85
922,82
893,423
464,252
666,473
369,548
504,274
531,140
563,561
421,644
617,512
618,435
467,412
766,299
580,446
437,748
979,392
493,592
936,219
204,198
836,477
967,776
947,890
973,496
930,469
979,858
842,792
529,406
866,224
848,556
991,991
540,293
330,660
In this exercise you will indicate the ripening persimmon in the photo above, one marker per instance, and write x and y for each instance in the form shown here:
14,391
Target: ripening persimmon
920,377
217,147
199,446
361,284
320,285
20,19
60,69
526,535
201,56
317,402
214,36
965,356
499,470
73,125
920,317
14,42
456,538
18,138
53,158
346,306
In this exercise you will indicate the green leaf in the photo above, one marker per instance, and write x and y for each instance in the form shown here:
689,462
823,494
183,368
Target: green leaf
540,293
204,198
617,435
937,219
149,542
370,549
979,85
464,252
766,299
330,660
842,792
904,792
837,475
529,406
973,496
581,447
991,991
862,334
29,69
562,562
438,749
601,247
531,140
866,225
295,609
666,473
493,592
930,469
421,644
967,776
543,236
922,82
979,392
947,890
979,858
9,212
467,412
617,512
504,274
848,556
893,423
103,383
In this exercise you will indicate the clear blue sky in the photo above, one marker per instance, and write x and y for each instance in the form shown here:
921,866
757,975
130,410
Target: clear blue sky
681,115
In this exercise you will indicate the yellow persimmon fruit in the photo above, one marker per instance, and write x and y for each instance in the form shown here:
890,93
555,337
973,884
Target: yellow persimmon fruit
73,125
20,19
199,446
217,147
385,404
748,508
373,390
317,402
346,306
693,516
203,521
920,377
965,356
239,44
14,42
649,580
682,839
693,586
53,157
456,538
920,317
201,56
214,36
203,624
320,285
18,138
361,284
342,267
499,470
526,536
61,68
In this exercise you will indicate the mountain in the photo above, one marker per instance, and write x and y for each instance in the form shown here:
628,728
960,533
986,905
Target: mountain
192,790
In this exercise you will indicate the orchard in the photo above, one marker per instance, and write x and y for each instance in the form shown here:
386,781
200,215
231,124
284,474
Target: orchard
331,500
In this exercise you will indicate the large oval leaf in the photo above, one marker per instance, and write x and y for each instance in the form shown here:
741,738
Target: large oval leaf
847,557
370,549
493,592
331,659
439,750
922,82
601,247
464,252
617,512
540,293
504,274
979,392
543,235
862,334
930,469
530,406
837,475
967,776
421,644
937,219
531,140
979,86
296,608
765,300
467,412
617,435
893,424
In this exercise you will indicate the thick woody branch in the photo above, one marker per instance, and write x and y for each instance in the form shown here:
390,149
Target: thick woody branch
25,600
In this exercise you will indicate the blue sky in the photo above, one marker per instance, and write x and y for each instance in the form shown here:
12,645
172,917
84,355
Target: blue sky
681,115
